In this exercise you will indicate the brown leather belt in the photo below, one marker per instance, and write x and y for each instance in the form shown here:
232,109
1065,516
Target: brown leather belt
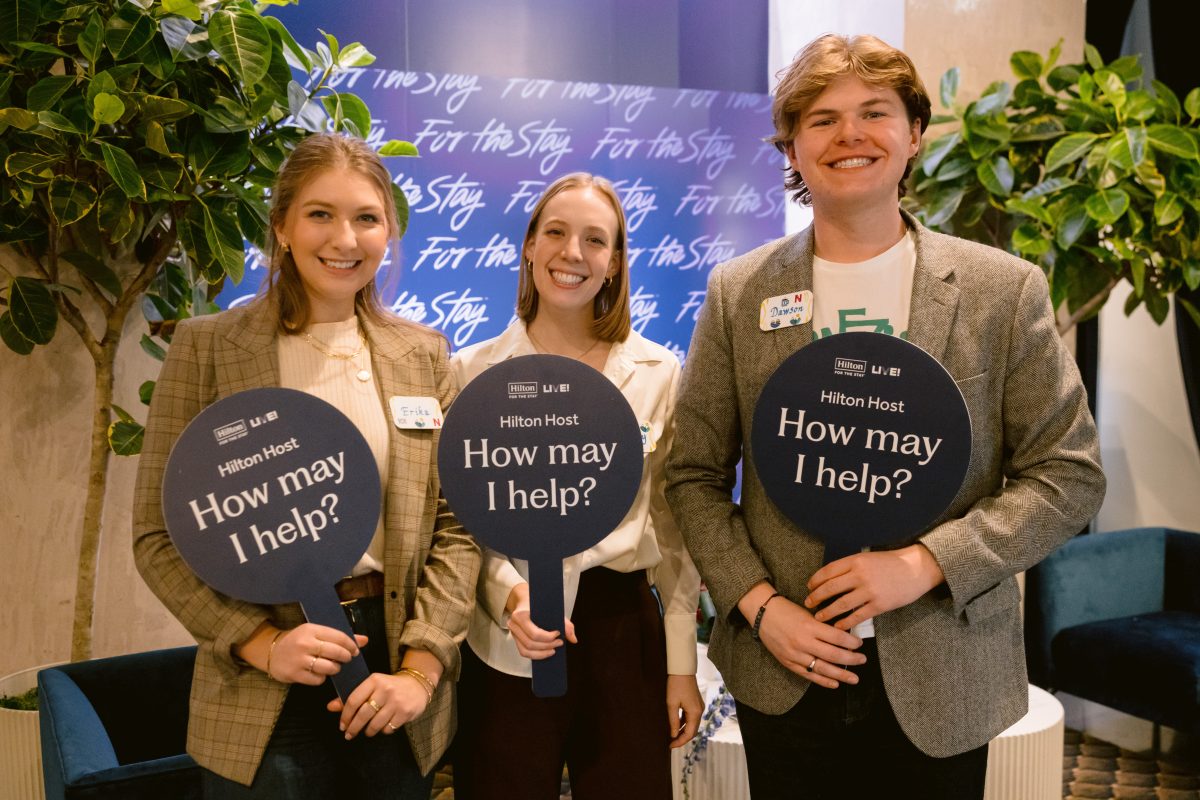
360,587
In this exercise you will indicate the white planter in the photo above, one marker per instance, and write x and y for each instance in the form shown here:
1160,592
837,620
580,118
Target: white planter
20,743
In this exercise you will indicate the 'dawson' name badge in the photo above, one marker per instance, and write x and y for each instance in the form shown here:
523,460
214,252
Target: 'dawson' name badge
785,310
420,413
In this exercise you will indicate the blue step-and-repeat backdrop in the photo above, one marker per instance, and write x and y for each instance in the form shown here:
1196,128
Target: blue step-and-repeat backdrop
697,181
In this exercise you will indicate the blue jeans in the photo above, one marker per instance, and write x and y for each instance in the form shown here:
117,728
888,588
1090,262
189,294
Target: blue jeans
845,744
309,758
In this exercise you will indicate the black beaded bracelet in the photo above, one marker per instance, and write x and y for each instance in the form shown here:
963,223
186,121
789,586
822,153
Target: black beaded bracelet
758,617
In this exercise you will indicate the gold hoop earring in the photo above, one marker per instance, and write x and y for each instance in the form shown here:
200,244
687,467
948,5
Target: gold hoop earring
608,281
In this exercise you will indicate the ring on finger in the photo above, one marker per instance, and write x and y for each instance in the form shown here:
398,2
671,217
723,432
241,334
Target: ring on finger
312,663
320,647
371,702
812,665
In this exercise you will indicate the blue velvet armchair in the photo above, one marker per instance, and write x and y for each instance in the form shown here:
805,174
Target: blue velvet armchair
117,727
1115,618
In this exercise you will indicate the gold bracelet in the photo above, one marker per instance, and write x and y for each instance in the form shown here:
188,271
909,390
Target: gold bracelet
420,678
271,651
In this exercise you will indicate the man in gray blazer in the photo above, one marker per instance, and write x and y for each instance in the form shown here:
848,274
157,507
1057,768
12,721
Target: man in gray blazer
885,673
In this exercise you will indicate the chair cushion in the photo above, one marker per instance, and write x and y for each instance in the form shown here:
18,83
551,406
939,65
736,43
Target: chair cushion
1147,665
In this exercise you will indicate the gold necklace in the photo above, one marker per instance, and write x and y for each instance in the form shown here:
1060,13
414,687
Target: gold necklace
363,374
545,351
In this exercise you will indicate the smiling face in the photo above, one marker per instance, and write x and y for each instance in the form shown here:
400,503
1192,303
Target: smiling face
852,146
572,250
337,232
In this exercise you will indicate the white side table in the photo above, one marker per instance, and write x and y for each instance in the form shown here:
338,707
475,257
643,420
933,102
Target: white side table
1025,761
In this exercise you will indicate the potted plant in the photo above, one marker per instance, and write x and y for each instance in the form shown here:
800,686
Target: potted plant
1079,168
21,753
137,140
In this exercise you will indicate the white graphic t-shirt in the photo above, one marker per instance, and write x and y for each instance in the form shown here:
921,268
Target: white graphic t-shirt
872,295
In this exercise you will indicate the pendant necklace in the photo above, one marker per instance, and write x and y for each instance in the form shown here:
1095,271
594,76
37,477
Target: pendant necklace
363,374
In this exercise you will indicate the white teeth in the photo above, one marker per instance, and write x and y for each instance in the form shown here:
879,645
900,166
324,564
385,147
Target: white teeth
338,264
566,278
849,163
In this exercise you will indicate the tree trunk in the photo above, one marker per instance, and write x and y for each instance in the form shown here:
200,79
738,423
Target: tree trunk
93,509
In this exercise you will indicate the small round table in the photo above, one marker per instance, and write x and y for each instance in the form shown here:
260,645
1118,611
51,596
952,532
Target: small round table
1025,761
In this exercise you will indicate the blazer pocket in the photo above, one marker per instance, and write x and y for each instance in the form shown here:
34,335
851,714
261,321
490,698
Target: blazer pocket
1001,597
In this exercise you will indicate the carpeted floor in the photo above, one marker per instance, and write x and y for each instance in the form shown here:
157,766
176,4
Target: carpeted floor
1095,768
1092,768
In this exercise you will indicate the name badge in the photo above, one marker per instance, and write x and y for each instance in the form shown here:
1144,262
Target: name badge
785,310
649,438
422,413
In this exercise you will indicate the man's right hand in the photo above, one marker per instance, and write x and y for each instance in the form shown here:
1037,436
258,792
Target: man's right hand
794,637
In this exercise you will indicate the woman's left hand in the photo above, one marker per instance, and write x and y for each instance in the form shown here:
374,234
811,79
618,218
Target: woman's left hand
684,707
381,703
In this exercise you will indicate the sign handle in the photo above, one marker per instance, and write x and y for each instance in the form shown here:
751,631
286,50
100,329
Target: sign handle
546,611
324,608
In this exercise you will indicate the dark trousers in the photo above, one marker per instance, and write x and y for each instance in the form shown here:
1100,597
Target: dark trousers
846,744
308,758
610,728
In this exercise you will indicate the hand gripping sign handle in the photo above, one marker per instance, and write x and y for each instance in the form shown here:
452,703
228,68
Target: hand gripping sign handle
324,608
546,611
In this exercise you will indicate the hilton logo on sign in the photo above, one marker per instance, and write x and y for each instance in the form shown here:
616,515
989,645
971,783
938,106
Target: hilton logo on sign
850,367
519,389
231,432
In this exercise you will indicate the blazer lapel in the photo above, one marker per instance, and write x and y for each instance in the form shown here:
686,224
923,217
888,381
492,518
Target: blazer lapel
250,359
934,296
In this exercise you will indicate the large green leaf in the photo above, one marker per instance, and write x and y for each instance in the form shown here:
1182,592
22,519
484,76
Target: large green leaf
224,239
1149,176
32,308
996,176
355,55
1026,64
1140,106
1167,101
1071,226
1167,208
58,122
125,438
163,109
107,108
396,147
35,163
91,39
1106,207
242,41
184,8
123,171
1191,103
12,337
1029,240
401,201
20,118
218,156
128,32
293,52
1173,140
949,87
45,93
1070,148
18,18
185,40
95,270
70,199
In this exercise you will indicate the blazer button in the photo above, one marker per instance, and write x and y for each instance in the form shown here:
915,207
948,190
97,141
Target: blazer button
393,595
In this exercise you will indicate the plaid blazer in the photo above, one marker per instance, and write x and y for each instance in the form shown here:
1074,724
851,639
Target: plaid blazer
952,661
430,563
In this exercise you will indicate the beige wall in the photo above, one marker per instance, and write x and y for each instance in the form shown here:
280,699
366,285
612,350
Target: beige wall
44,434
978,36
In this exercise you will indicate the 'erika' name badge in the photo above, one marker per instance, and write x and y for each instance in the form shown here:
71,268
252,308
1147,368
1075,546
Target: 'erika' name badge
785,310
420,413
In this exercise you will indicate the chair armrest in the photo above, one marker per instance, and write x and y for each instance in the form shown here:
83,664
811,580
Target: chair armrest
1091,578
1181,590
74,741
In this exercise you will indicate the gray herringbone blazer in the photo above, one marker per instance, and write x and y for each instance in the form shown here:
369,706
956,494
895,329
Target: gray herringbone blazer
953,662
430,564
